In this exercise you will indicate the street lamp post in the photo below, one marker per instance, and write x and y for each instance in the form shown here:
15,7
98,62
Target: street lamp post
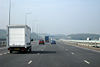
26,18
9,11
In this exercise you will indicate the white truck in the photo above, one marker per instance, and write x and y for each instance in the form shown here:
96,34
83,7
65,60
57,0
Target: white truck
18,38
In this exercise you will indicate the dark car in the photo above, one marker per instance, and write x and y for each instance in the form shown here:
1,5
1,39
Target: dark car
41,42
53,42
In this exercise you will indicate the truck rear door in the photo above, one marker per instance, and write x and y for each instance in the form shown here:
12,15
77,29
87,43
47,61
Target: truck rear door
16,36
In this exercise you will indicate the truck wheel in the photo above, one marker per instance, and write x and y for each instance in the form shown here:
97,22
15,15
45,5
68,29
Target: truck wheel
30,50
10,51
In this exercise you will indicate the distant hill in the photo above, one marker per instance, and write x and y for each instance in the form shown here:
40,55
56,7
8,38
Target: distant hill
80,36
2,34
54,36
83,36
59,36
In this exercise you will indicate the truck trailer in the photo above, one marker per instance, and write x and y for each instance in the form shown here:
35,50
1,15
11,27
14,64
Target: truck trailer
47,39
19,38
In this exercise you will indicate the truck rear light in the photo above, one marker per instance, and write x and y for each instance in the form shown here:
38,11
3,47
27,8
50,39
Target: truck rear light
23,49
8,48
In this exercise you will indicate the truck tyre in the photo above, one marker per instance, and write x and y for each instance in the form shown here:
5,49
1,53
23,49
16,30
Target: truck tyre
10,51
30,50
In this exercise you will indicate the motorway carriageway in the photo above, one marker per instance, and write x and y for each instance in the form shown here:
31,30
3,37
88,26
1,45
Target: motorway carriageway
59,55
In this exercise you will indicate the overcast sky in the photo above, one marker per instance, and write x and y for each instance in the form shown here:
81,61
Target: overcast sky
53,16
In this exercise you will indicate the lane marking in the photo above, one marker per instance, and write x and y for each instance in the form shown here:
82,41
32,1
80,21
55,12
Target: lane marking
30,62
1,54
86,62
73,53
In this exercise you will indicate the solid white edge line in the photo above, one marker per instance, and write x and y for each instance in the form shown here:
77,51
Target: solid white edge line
86,62
30,62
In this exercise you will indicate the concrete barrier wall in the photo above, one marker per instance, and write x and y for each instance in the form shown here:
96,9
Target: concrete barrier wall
92,43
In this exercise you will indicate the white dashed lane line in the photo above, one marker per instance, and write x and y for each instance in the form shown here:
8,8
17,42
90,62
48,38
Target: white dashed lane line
86,61
72,53
30,62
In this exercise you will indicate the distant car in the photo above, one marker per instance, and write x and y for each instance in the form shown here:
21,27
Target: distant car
41,42
53,42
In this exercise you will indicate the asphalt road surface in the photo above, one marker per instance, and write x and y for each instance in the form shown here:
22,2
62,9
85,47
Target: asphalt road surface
59,55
